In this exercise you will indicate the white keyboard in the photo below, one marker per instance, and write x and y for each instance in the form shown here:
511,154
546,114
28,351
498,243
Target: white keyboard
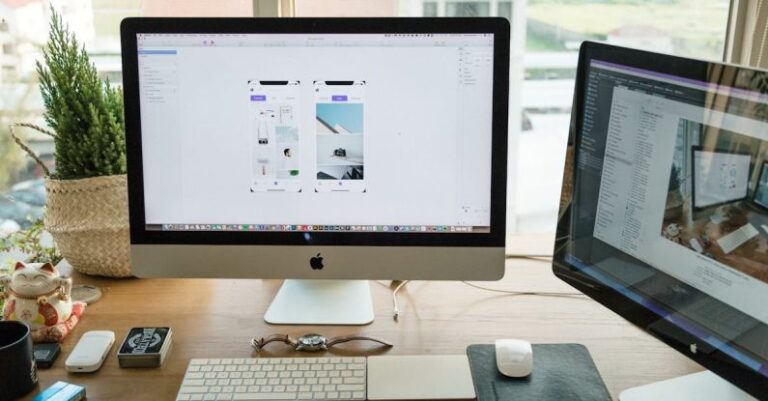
332,378
735,239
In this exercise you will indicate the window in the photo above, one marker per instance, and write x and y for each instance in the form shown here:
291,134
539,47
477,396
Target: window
546,36
23,31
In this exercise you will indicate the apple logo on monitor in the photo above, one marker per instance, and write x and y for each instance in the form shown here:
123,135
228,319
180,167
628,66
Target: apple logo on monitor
316,262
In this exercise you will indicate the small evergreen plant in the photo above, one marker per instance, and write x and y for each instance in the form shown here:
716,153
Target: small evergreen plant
85,112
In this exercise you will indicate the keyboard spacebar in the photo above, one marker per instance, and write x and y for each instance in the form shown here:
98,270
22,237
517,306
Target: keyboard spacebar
264,396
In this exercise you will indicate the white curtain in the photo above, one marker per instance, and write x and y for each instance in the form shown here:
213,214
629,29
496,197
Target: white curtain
748,33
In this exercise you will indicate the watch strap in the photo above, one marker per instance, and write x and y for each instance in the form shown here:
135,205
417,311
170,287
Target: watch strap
283,338
343,339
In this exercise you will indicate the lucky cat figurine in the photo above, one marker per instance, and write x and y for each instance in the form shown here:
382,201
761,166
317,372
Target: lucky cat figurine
36,294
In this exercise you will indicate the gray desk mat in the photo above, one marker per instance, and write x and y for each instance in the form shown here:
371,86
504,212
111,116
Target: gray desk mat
560,372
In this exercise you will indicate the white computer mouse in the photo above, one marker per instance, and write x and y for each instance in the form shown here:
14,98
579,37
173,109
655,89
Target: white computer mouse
514,358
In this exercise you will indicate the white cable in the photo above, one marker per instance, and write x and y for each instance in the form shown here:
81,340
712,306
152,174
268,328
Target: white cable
536,293
396,311
396,306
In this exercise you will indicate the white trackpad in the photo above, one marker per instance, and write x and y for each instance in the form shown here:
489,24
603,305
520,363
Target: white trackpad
420,377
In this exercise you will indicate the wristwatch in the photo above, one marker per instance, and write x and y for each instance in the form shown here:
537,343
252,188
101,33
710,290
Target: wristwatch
311,342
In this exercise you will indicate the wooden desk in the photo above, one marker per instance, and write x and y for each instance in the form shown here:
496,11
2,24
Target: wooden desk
215,318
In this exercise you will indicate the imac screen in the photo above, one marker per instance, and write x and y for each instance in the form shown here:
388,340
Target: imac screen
317,132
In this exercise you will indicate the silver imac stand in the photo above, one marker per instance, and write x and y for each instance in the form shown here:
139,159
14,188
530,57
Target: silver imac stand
322,302
702,386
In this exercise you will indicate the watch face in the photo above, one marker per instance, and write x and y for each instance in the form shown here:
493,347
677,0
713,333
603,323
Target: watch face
311,342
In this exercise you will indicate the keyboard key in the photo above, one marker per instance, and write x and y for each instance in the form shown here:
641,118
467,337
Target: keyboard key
260,396
350,387
193,389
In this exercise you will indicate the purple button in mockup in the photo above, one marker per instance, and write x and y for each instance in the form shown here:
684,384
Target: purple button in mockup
339,98
258,98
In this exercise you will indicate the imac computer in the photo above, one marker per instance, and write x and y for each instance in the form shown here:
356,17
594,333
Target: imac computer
657,137
719,177
326,152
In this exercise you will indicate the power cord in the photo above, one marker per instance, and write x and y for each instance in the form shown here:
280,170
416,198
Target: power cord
538,258
396,308
535,293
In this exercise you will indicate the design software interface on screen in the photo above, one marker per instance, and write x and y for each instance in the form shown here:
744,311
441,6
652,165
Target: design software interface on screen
316,132
679,185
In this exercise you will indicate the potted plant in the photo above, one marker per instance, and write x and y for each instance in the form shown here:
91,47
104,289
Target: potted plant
86,207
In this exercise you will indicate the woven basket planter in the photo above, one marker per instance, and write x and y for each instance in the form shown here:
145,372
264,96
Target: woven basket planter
88,220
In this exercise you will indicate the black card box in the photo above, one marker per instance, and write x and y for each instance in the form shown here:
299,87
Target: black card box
560,372
144,347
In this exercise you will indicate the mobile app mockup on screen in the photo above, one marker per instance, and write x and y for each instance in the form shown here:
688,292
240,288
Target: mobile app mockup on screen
275,151
340,136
